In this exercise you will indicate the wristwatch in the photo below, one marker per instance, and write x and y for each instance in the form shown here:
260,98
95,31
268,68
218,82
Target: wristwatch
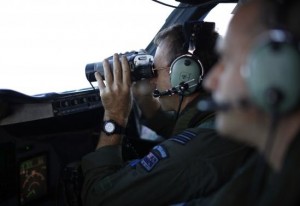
110,127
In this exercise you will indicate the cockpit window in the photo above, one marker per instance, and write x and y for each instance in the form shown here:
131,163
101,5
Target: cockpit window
45,45
221,15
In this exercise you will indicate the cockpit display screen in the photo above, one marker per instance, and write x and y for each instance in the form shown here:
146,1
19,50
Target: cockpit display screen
33,178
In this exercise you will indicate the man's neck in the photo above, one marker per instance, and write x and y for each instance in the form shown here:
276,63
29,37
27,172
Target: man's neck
187,100
285,133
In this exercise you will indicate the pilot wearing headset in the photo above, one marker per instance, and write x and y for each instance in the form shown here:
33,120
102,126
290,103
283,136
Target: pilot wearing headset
175,62
256,89
195,161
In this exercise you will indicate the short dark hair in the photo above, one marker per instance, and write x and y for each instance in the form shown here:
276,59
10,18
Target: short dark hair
285,13
175,36
205,48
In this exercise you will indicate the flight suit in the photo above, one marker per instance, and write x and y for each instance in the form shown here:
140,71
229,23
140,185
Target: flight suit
274,188
194,162
237,191
165,124
283,187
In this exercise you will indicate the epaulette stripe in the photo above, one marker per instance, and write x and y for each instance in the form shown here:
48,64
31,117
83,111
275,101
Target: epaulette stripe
183,139
178,140
184,136
189,133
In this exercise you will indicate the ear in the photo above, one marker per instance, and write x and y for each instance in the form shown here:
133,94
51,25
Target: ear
273,68
186,69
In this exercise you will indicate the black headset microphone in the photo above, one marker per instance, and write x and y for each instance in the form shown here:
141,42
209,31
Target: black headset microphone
179,89
210,105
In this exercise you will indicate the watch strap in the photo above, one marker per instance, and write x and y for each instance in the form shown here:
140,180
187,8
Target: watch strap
118,128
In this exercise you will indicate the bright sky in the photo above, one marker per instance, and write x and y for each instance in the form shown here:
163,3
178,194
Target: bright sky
221,20
45,44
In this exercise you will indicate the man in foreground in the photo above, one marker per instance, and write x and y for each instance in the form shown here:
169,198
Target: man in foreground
256,85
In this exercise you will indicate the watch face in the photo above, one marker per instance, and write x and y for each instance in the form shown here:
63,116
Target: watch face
109,127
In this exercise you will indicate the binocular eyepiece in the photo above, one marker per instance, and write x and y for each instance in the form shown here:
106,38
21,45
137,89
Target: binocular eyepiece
140,63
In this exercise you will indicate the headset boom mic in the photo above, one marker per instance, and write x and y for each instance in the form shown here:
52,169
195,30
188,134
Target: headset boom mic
209,105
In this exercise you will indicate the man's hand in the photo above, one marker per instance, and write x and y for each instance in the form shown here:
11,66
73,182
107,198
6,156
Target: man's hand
115,92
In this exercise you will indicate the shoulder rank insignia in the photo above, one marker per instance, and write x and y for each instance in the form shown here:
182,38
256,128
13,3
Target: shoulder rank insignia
183,137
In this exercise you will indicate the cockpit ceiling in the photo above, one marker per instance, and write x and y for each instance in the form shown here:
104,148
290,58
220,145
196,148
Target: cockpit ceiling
195,2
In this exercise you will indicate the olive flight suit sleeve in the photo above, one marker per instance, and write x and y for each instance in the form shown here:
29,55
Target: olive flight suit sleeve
186,166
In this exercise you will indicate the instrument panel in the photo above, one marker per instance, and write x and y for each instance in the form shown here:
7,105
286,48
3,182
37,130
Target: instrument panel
39,137
18,107
42,140
33,174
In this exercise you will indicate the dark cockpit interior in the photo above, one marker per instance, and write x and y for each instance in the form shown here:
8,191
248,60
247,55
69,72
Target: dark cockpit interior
43,137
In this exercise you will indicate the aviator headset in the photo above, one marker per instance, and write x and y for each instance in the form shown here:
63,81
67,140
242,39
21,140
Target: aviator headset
272,70
186,71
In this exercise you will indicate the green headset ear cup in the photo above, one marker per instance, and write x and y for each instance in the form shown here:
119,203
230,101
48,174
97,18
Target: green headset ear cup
274,65
186,68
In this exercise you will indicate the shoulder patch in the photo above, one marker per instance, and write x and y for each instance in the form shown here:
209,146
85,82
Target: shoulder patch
162,151
133,163
183,137
149,161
